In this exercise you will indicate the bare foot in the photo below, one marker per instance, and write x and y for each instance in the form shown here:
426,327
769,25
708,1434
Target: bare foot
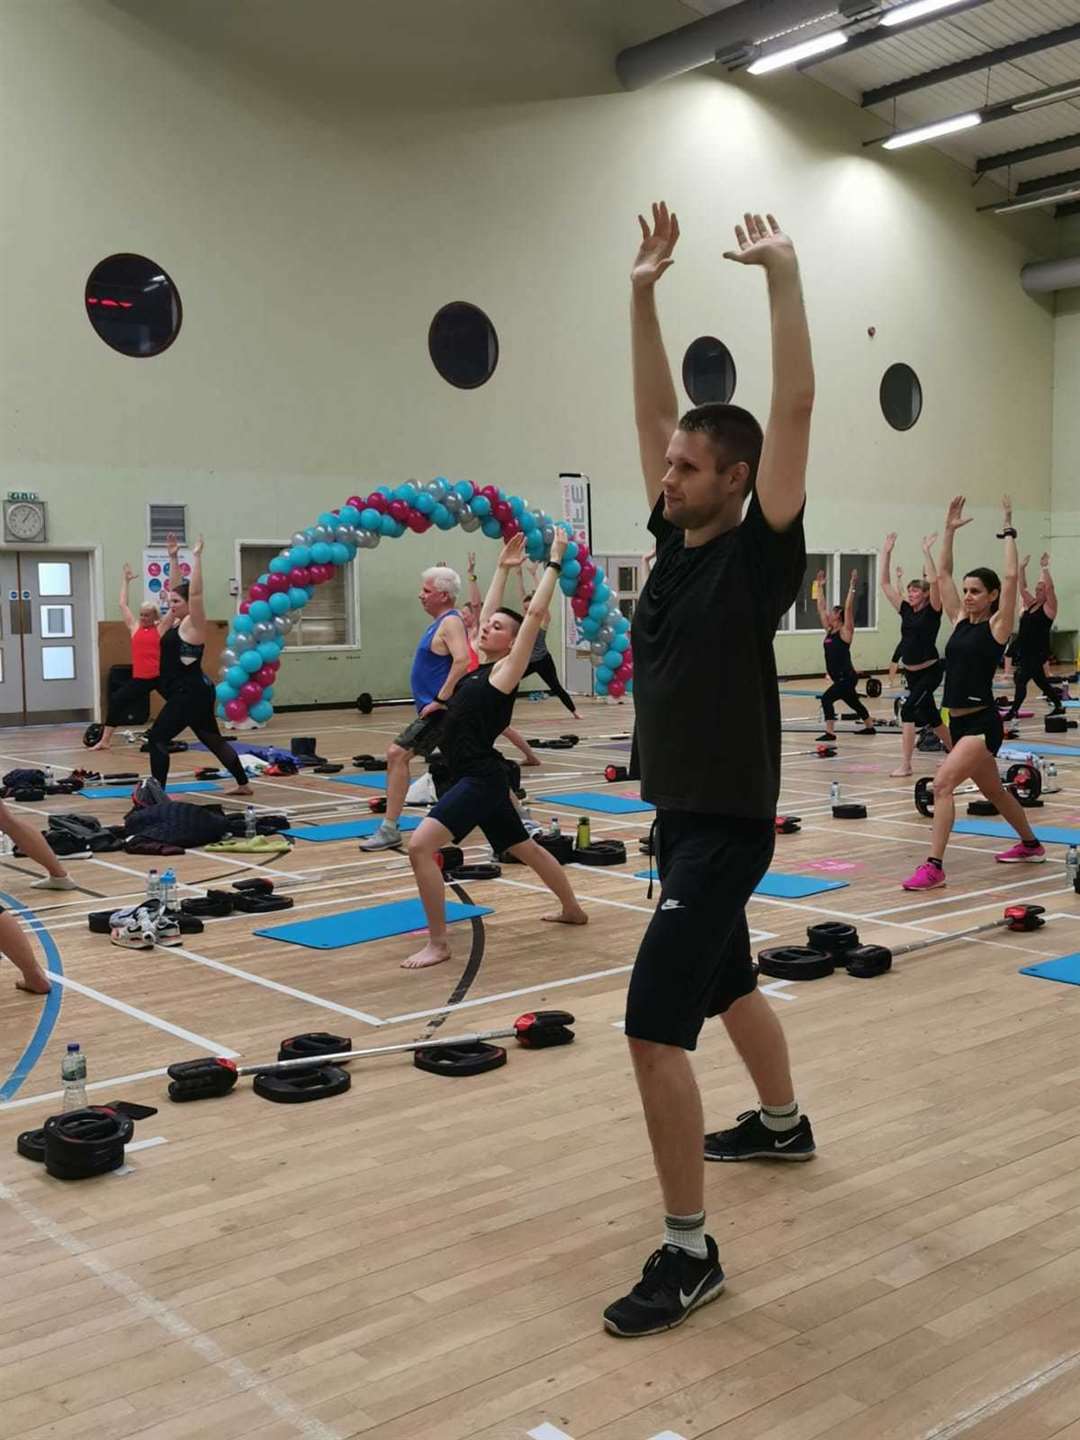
531,759
576,916
37,983
102,745
898,774
54,882
431,954
241,790
575,715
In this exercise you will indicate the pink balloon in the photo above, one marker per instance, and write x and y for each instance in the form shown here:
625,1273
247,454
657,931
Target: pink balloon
501,510
492,493
588,570
617,688
375,501
244,606
399,511
580,606
321,573
272,665
417,523
510,528
300,575
584,590
250,692
258,592
622,673
262,678
277,581
236,709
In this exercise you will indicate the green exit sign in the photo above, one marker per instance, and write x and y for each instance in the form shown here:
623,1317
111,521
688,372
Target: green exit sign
22,495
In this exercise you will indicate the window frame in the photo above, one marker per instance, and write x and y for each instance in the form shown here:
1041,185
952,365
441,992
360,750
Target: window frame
834,583
352,610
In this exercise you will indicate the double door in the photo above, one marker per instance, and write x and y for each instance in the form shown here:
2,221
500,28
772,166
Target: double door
46,637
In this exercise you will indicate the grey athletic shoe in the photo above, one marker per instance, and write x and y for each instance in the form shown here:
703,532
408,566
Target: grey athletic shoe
386,837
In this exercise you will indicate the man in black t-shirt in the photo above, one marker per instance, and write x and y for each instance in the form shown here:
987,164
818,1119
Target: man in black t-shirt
708,728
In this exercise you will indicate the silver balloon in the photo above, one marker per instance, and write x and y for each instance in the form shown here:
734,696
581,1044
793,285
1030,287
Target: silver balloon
299,538
282,624
604,637
598,647
548,533
469,521
321,532
243,642
264,630
436,489
453,502
228,657
345,534
369,539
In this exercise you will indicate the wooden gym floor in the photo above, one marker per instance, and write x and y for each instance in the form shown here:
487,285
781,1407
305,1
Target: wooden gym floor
421,1260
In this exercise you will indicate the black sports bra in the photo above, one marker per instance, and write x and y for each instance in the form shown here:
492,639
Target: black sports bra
179,657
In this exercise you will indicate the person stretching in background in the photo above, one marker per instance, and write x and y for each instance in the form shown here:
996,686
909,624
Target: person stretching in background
471,612
838,622
1031,648
146,631
920,620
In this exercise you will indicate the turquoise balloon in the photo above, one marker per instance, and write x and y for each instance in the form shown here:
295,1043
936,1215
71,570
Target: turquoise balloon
571,570
621,623
388,525
259,610
466,489
263,578
236,676
571,552
280,565
301,554
298,597
321,553
328,518
612,659
384,490
621,642
224,691
397,528
268,692
243,624
405,492
629,687
369,519
442,517
219,710
339,553
425,503
491,528
601,595
601,689
605,674
261,711
567,584
348,515
590,628
279,603
598,611
251,661
517,506
270,650
481,506
529,523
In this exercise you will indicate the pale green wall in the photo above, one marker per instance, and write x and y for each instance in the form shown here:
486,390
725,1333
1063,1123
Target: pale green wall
311,253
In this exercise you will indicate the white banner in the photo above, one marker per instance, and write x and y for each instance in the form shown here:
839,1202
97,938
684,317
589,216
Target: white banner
155,568
576,504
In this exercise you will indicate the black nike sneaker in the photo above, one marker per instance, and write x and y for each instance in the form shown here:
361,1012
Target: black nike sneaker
673,1283
751,1139
822,738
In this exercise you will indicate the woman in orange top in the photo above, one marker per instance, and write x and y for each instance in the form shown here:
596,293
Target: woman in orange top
146,631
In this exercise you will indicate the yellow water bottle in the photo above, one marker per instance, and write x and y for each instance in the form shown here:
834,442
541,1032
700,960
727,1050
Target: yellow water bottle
584,833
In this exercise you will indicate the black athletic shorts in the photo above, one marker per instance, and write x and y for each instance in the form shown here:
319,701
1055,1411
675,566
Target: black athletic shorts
986,722
695,960
421,736
483,803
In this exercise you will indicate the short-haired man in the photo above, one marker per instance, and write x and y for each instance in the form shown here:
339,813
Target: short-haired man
441,659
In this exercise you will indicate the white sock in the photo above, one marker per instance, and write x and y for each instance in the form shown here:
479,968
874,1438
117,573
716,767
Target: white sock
686,1232
780,1118
54,882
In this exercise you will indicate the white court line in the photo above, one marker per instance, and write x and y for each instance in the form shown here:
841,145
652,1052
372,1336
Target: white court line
148,1307
94,1085
999,1401
150,1143
944,900
289,990
144,1015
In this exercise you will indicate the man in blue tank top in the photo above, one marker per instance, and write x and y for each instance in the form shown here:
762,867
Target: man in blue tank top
441,659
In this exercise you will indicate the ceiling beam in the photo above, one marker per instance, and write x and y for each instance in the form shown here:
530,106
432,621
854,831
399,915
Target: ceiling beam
1029,152
881,32
1004,110
1047,182
971,66
1072,208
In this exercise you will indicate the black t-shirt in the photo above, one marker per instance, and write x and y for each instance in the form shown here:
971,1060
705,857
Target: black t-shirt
475,717
972,657
918,633
838,664
1033,637
705,691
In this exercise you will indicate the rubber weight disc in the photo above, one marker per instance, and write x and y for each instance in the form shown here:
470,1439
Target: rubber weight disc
82,1143
313,1043
866,961
873,687
297,1087
601,852
475,1059
31,1145
849,812
835,938
924,796
795,962
982,807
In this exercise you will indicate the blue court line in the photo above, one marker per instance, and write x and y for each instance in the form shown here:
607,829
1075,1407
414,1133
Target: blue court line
50,1011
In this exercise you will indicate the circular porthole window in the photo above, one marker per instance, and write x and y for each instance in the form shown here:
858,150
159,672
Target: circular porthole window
708,371
901,396
463,345
133,305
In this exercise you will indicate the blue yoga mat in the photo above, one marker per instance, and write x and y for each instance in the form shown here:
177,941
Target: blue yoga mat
1066,969
354,927
372,779
810,694
1042,749
348,830
997,829
777,886
597,800
109,792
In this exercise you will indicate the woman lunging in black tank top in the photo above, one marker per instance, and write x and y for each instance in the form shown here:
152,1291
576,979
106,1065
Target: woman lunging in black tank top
920,619
838,622
982,620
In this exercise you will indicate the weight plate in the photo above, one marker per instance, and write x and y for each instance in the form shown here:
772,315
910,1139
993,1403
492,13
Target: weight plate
849,812
313,1043
364,703
601,852
982,807
795,962
924,796
873,687
866,961
833,937
297,1087
31,1145
475,1059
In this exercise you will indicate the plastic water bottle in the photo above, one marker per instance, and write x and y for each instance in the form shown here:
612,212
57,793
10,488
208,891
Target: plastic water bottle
7,846
584,833
153,885
1072,864
250,828
168,890
73,1079
554,826
50,778
834,792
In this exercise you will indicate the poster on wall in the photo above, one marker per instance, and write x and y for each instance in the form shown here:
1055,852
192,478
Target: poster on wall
576,504
155,571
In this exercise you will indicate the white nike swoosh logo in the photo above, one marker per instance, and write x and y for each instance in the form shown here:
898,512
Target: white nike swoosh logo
672,905
783,1144
685,1300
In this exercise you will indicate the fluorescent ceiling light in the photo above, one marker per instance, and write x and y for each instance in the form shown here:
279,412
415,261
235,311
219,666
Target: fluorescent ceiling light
900,14
1063,92
1051,197
931,132
794,53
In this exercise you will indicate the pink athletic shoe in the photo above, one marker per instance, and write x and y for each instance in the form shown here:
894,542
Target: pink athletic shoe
1021,854
926,877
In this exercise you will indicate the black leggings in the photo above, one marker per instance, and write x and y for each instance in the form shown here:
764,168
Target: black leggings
843,690
122,699
545,668
1024,671
190,706
920,708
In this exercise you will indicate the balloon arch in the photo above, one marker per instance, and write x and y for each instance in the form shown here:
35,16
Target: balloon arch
259,630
